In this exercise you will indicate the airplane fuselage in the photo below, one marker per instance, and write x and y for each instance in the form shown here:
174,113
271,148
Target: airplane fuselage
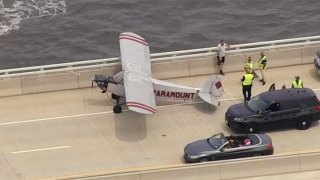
163,91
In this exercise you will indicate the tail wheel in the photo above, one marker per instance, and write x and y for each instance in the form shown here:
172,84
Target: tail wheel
117,109
303,123
251,128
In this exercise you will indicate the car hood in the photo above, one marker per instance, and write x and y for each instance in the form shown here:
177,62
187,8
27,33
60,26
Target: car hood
239,111
198,147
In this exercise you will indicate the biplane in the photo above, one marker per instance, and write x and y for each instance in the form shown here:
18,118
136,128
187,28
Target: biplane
135,85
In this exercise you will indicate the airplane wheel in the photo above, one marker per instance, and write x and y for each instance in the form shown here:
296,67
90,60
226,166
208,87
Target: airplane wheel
113,96
117,109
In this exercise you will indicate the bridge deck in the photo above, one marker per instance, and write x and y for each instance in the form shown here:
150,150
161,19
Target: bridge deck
75,132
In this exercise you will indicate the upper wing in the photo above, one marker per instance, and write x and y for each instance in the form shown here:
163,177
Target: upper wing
135,58
135,53
139,93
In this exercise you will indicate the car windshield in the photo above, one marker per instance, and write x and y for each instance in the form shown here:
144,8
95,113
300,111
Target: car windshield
217,141
256,104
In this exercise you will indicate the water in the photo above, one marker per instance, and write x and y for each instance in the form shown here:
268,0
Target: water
39,32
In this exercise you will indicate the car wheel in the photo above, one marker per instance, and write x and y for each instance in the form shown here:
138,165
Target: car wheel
257,154
204,159
303,123
251,128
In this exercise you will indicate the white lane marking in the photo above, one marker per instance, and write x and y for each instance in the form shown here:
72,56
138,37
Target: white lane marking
108,112
43,149
229,99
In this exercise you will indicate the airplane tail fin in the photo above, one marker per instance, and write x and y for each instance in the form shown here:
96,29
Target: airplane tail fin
211,90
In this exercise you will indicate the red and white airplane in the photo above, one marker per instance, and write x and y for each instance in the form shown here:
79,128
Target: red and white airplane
140,91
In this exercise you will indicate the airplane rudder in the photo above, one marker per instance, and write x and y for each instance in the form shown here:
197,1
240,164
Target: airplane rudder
217,87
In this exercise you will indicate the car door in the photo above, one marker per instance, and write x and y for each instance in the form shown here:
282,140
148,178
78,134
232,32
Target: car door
232,153
277,116
272,112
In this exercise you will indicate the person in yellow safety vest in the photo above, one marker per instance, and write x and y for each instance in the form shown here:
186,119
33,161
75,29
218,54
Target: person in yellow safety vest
248,67
262,66
297,83
247,81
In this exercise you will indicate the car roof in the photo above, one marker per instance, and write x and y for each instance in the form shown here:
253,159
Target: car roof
283,95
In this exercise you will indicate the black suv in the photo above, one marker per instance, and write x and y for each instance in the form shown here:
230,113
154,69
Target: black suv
285,107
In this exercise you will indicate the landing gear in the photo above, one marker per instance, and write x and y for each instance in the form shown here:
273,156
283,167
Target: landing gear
113,96
117,108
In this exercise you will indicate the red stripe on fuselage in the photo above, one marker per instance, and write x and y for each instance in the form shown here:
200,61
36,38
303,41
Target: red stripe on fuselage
133,38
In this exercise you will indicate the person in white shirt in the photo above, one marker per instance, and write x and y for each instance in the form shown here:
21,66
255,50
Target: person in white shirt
221,52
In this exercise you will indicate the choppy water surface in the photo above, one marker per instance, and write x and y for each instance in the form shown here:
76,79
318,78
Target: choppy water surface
38,32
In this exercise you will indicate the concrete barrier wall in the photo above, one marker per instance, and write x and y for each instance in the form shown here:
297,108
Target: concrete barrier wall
121,177
45,83
185,174
10,87
85,77
310,162
204,64
278,58
308,54
231,169
260,167
170,69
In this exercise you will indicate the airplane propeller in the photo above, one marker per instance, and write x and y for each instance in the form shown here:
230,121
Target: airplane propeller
101,81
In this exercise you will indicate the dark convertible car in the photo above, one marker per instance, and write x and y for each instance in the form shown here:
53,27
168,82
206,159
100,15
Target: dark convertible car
220,147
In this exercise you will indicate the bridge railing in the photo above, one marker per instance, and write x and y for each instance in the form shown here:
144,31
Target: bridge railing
160,57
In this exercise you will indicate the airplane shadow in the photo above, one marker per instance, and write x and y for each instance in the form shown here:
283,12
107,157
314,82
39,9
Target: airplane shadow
130,126
95,102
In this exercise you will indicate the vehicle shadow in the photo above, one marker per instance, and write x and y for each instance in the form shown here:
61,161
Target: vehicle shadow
313,74
267,129
130,126
285,128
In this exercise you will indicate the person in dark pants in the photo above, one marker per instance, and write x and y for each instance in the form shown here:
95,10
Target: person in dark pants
247,81
221,52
